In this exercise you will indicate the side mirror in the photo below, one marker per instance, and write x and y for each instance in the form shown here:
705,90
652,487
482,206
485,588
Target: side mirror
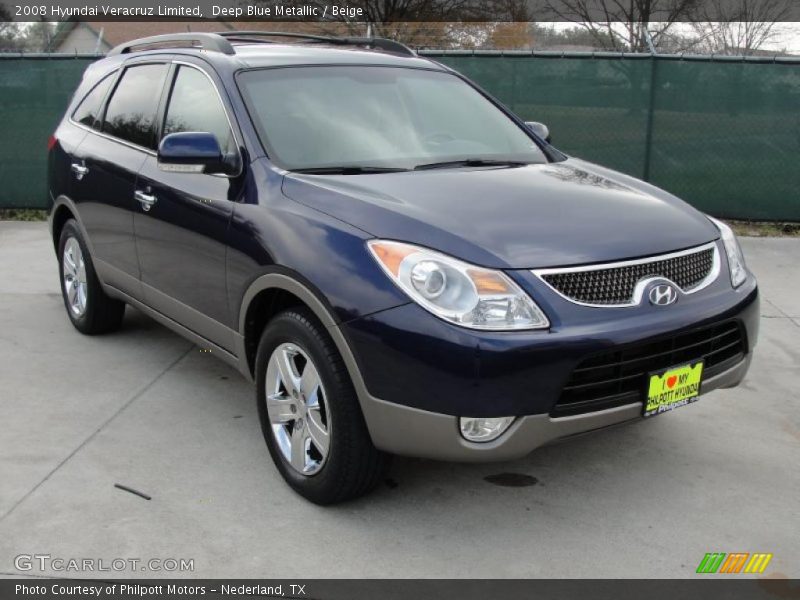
192,152
539,129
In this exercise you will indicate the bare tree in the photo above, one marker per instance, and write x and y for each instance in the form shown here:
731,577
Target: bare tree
380,12
546,37
737,27
432,23
622,25
10,35
515,35
38,36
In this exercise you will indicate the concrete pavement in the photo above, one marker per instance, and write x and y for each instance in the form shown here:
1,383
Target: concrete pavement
146,409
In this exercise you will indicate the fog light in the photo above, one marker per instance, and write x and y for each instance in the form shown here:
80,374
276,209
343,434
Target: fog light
480,429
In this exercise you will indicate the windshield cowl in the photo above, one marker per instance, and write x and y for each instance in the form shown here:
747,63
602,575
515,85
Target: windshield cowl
471,162
349,170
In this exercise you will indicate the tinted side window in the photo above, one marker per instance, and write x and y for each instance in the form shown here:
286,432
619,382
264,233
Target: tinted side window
195,106
88,110
131,112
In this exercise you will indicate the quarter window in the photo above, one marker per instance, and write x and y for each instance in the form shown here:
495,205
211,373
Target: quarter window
88,110
131,112
194,105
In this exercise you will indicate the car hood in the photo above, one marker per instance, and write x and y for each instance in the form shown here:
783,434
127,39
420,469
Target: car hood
539,215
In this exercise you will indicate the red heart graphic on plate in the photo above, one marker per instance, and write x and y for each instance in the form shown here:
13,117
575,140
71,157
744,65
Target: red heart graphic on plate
671,381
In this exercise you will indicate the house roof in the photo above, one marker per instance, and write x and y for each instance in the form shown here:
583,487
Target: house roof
117,32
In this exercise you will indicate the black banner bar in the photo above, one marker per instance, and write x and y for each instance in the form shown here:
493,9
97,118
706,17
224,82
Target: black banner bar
704,587
392,11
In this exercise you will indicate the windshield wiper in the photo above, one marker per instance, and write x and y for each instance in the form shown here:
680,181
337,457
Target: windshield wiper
349,170
471,162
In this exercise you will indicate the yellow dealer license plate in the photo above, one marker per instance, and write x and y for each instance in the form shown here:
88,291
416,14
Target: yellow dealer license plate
672,388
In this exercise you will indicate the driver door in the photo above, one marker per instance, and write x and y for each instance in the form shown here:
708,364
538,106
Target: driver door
182,224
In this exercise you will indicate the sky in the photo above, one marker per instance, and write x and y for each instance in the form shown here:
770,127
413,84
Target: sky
787,35
788,38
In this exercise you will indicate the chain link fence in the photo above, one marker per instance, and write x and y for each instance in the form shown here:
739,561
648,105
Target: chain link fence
721,133
34,92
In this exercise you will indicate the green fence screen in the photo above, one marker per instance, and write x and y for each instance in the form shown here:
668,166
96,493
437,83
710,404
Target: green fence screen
722,134
34,92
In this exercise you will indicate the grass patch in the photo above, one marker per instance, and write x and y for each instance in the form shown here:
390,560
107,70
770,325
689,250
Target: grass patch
23,214
765,228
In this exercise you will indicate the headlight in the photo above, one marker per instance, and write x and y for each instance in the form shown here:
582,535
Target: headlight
734,251
456,291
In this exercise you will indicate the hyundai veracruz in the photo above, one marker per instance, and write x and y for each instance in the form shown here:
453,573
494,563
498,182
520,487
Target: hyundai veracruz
399,263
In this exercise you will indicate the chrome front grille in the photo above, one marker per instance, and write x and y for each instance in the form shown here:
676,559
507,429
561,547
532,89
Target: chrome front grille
622,283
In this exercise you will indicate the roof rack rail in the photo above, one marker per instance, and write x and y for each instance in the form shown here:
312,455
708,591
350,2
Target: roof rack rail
206,41
380,43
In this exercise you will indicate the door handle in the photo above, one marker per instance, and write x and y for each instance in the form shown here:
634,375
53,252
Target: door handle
79,170
146,200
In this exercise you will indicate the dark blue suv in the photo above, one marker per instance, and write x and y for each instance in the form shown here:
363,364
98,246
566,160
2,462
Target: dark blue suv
399,263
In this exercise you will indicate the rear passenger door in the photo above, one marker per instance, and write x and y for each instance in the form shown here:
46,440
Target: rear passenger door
65,169
105,167
181,235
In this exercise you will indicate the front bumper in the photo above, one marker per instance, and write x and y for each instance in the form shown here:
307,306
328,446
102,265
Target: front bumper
412,432
420,373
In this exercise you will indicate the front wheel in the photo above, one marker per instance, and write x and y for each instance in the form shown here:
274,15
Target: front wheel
309,412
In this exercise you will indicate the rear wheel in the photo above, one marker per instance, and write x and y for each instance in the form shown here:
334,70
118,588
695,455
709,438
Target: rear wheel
309,412
88,307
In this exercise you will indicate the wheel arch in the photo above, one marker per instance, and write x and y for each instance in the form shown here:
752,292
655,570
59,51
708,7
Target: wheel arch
63,210
274,291
61,215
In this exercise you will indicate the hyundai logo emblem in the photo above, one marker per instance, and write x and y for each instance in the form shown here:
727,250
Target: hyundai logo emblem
663,294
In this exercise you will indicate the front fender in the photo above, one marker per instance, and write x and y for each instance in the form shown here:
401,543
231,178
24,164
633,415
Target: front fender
283,279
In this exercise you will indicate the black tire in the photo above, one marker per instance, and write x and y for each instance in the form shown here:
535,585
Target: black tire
353,465
102,314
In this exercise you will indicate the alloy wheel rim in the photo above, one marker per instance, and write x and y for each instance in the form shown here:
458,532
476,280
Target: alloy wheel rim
298,409
74,277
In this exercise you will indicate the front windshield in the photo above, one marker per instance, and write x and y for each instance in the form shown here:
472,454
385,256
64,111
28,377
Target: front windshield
393,117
